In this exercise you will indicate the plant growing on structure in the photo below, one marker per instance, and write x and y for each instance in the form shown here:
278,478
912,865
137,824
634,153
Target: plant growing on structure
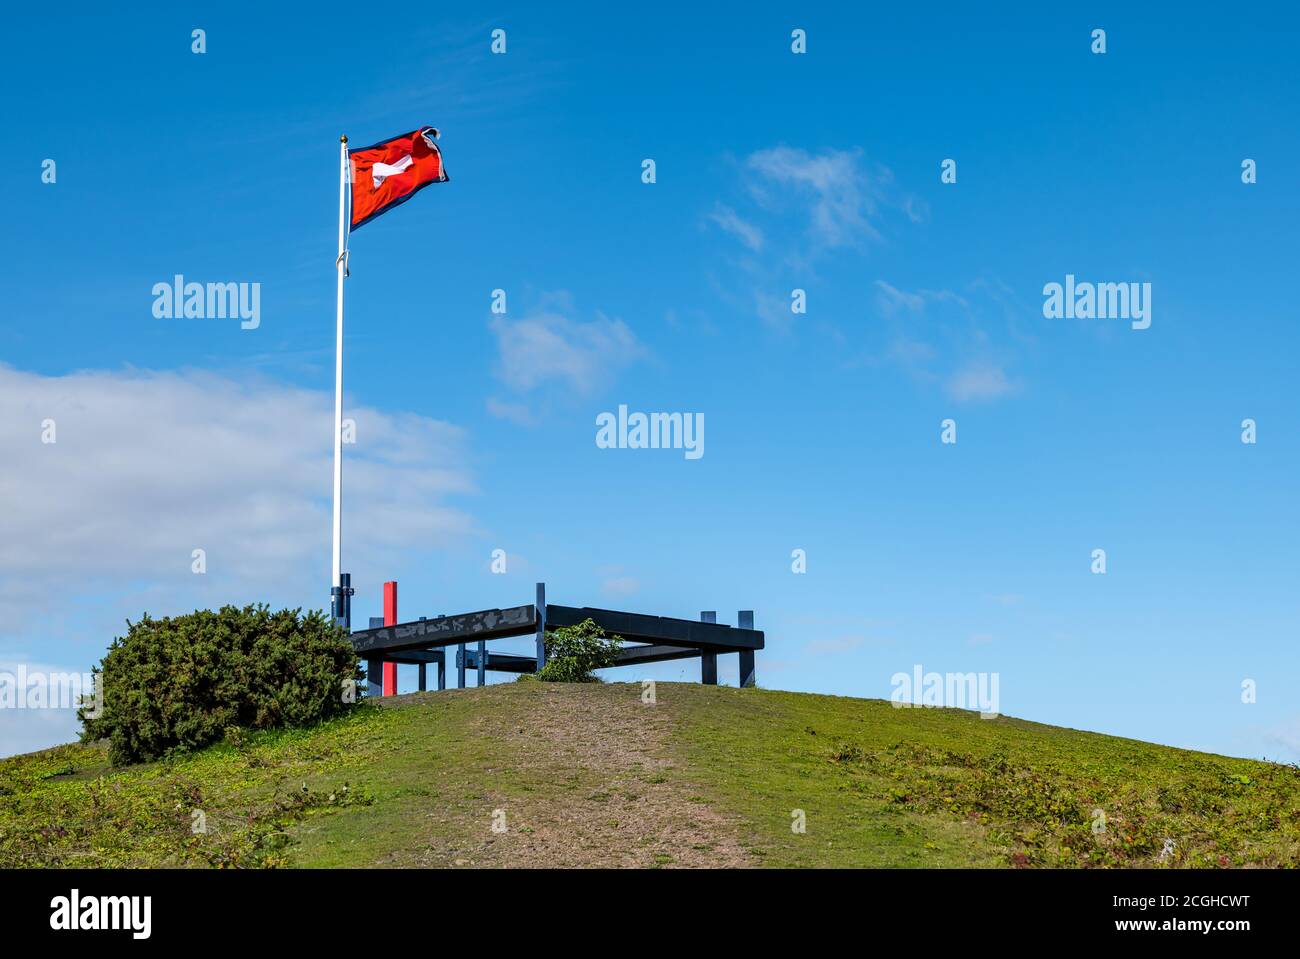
573,653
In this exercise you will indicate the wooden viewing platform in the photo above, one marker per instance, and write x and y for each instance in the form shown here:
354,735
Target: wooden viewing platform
648,639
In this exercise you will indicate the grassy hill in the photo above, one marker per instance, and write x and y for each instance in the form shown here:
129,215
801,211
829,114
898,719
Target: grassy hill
587,775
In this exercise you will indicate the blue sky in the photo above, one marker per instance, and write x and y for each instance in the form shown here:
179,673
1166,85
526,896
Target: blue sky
775,171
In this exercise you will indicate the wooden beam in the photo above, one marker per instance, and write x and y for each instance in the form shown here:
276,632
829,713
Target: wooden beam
446,630
411,657
500,662
639,627
631,655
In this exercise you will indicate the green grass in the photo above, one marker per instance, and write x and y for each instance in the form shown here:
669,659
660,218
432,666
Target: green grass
412,782
229,805
882,786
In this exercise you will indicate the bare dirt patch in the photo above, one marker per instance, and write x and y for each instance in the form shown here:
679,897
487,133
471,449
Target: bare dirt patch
609,793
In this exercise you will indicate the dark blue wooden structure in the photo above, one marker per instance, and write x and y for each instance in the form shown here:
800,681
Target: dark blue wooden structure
647,639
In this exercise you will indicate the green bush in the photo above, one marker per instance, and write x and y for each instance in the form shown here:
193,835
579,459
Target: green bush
573,652
180,683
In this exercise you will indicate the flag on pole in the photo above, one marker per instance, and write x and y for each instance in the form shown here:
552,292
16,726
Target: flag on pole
392,172
381,177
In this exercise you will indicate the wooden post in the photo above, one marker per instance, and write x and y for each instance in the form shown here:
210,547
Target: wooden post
460,666
541,626
390,619
709,661
482,662
442,666
424,684
375,667
745,620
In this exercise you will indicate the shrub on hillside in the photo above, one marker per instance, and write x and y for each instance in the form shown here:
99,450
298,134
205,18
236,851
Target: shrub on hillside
180,682
574,652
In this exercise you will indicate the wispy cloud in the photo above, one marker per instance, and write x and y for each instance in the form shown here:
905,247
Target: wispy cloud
820,203
838,190
893,299
979,381
548,347
520,413
620,586
939,338
730,222
773,309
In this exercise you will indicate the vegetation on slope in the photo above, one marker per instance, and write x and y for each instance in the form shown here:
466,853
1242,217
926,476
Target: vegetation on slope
887,786
591,774
178,683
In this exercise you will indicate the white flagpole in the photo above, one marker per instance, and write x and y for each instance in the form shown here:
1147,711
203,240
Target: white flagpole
341,265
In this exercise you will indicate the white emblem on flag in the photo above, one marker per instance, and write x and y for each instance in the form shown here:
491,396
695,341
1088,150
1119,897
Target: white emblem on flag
382,171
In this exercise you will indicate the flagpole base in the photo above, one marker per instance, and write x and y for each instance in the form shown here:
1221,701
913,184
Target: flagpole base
341,601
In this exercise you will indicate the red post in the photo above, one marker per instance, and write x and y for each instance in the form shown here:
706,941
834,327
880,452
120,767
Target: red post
390,619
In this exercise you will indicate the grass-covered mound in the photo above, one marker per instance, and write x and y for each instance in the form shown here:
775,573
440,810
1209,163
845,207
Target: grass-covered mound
597,774
179,683
231,805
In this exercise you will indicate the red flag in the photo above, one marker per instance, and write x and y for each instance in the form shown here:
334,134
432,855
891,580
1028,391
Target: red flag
392,172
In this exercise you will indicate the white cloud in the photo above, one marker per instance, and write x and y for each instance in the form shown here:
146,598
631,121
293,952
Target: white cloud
148,467
910,353
979,381
917,210
840,189
962,360
620,586
773,309
520,413
748,234
546,346
893,299
813,203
